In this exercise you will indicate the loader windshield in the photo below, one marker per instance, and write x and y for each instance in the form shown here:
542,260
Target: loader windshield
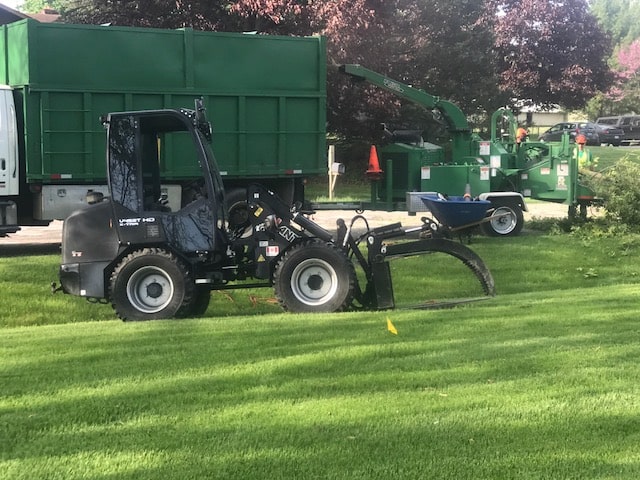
162,169
144,146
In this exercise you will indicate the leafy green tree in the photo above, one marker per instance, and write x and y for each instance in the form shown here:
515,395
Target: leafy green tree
600,105
619,18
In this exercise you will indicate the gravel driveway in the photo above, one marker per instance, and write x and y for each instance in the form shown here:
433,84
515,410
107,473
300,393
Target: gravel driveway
327,218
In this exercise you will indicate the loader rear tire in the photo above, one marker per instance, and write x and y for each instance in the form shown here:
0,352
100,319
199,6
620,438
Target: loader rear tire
314,277
150,284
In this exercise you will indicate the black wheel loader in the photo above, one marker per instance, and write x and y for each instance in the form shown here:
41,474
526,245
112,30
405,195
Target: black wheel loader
156,247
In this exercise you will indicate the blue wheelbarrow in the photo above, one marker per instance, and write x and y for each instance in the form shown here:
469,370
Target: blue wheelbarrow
455,214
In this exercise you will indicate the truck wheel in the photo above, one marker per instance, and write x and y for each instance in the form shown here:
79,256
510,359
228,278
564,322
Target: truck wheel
314,277
150,284
506,219
238,210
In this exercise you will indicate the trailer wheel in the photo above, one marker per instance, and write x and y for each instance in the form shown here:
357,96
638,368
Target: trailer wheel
314,277
150,284
506,219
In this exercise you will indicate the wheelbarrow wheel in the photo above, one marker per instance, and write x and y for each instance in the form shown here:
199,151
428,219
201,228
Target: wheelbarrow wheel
506,219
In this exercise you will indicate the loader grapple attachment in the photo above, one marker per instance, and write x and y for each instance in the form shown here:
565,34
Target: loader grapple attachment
379,293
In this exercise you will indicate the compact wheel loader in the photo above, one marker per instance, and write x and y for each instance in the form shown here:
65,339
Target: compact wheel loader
156,247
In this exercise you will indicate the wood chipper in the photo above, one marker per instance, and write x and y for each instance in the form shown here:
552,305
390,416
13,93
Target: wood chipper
499,170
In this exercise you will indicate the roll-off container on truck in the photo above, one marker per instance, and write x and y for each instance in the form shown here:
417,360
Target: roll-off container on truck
266,96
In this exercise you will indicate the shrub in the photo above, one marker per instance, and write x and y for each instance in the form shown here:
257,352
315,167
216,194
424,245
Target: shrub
619,186
551,226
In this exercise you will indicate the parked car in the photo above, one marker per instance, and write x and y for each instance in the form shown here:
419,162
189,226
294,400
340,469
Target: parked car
588,129
609,135
630,125
612,121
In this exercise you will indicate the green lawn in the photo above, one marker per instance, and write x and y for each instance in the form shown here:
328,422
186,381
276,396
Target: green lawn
540,382
608,156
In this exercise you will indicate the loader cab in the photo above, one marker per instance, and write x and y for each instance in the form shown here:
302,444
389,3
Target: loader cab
183,211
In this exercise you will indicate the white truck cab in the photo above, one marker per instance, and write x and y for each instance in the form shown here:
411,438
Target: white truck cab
9,167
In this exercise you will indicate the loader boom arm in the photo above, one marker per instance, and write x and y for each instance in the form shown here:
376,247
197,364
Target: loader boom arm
453,116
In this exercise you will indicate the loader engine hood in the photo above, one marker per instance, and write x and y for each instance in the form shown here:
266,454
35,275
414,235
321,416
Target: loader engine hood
89,244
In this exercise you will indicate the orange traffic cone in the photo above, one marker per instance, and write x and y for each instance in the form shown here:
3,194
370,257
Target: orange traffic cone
467,193
373,172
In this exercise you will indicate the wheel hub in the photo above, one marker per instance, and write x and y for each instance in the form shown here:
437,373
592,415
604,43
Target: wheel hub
150,289
315,282
504,221
154,290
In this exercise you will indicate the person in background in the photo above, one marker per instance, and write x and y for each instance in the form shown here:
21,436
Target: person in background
521,135
586,162
586,169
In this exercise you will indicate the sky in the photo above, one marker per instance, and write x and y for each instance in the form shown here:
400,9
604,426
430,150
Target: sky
11,3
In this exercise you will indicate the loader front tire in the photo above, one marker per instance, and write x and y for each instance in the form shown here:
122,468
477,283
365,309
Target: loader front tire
198,304
150,284
314,277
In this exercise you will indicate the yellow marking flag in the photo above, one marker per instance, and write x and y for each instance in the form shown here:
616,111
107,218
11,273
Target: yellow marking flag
391,327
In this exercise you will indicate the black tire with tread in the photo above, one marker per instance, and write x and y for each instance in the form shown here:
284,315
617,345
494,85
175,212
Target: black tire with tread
198,304
166,275
314,277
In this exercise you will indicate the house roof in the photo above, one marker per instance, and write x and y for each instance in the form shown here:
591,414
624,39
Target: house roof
47,15
9,15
